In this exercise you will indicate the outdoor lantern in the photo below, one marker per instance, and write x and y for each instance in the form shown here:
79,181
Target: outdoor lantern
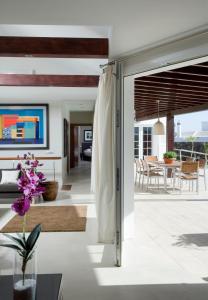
158,128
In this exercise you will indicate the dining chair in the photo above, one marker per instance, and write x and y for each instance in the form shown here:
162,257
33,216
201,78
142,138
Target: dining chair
190,159
150,158
138,170
189,172
151,172
202,168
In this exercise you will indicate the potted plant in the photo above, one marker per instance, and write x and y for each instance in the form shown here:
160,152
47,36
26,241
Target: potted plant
29,183
169,157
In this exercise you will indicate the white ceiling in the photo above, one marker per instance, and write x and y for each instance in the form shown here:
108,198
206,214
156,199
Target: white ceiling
62,66
132,24
38,94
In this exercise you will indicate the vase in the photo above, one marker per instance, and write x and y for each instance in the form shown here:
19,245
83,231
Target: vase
24,283
51,190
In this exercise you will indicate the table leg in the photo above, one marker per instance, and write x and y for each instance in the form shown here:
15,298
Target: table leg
165,179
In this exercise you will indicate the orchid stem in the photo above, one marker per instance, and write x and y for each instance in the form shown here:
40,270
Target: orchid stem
24,225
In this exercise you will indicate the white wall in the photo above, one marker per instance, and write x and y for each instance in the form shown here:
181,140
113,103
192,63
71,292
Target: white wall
158,142
55,148
128,158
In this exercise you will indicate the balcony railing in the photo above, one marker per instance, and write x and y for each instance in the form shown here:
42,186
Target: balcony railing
183,154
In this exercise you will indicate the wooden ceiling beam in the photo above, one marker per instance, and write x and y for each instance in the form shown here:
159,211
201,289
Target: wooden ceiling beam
161,86
174,112
54,47
171,92
181,77
167,81
151,100
49,80
194,70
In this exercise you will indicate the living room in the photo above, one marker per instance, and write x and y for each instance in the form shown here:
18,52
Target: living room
57,240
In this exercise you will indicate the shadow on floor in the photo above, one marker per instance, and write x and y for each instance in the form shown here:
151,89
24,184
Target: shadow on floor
197,239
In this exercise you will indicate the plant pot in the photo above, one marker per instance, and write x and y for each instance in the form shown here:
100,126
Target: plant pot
169,160
51,190
24,285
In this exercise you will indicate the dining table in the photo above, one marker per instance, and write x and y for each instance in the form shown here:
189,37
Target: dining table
166,167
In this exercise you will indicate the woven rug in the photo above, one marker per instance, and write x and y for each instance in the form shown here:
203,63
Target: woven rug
51,218
66,187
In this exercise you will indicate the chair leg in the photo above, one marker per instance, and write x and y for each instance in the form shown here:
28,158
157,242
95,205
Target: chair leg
135,178
139,179
148,179
205,180
180,185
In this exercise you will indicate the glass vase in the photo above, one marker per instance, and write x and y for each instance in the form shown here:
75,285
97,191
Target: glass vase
24,282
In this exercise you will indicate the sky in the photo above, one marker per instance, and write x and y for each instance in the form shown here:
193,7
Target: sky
192,121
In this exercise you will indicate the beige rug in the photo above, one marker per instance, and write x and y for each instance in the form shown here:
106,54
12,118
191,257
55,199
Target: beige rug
51,218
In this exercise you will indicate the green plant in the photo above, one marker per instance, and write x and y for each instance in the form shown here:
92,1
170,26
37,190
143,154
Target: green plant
206,147
191,139
24,246
170,154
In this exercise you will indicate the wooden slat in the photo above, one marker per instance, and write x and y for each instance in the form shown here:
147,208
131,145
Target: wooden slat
54,47
178,82
170,92
182,77
49,80
179,91
165,86
165,99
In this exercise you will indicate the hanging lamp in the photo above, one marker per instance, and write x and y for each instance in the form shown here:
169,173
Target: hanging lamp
158,128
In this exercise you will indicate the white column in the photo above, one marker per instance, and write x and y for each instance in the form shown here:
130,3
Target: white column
128,157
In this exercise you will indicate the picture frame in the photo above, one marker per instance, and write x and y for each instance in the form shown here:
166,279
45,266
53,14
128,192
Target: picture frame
24,126
88,135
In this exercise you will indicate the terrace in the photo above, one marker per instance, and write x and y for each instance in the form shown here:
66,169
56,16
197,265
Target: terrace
179,91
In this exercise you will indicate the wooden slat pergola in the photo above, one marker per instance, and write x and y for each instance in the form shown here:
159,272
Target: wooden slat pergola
180,91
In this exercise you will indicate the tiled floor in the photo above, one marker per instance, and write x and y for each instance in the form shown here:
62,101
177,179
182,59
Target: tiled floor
167,260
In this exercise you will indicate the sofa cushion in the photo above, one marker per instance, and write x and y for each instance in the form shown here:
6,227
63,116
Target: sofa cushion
10,176
9,169
9,188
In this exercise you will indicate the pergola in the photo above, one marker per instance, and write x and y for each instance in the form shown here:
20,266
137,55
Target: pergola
179,91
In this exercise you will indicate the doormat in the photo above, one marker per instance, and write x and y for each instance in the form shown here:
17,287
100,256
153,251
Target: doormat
66,187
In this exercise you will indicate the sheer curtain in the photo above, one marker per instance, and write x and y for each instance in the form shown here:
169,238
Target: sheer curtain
103,156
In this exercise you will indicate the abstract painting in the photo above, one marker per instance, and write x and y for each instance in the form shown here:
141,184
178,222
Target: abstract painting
24,127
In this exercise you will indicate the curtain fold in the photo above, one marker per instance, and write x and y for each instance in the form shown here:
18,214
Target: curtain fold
103,156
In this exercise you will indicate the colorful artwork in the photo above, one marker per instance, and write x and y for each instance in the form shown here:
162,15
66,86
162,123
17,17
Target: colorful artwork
22,126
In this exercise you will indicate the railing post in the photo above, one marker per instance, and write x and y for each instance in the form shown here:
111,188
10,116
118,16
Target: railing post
180,155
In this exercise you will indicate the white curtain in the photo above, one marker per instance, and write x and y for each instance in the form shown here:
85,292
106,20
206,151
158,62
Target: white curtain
103,156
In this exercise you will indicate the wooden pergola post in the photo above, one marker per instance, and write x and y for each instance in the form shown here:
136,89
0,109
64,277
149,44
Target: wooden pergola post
170,132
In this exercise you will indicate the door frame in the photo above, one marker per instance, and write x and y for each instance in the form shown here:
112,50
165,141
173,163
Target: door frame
72,125
194,47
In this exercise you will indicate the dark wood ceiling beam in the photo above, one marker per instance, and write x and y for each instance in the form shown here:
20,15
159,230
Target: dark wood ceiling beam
171,92
181,77
194,70
49,80
161,86
53,47
148,116
167,81
152,100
